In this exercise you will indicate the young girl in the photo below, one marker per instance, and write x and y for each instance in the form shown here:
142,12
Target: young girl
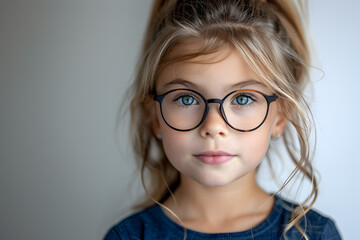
217,82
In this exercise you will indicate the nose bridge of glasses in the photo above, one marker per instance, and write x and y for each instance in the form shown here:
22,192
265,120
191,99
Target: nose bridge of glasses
219,109
214,100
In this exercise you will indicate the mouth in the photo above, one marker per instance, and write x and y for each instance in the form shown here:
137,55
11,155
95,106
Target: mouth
214,158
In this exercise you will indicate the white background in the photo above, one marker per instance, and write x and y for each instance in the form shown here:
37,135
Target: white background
64,67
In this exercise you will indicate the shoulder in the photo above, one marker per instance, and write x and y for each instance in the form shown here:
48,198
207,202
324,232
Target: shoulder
321,225
317,225
146,224
131,226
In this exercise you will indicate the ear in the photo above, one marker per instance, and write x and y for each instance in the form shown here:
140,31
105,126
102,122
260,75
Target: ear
280,124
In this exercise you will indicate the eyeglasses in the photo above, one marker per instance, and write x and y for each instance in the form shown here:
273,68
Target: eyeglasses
244,110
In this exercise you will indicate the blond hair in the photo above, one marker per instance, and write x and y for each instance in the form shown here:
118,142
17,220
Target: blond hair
269,35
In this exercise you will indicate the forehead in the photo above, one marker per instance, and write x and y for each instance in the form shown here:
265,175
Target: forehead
196,50
215,70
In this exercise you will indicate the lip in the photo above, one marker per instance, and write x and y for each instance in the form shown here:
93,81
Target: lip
214,158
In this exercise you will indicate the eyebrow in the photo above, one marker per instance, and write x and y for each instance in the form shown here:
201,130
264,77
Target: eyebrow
188,84
246,83
181,82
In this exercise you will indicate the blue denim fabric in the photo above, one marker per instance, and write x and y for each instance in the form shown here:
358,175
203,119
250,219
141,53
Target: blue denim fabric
152,223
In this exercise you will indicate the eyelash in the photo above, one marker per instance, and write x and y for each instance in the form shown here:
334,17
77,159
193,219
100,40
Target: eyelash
184,95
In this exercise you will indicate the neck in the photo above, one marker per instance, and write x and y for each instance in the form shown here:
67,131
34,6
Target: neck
216,204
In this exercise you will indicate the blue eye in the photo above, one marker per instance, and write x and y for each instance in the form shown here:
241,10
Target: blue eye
242,100
187,100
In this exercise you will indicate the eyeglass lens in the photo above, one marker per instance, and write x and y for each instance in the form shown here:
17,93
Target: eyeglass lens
243,109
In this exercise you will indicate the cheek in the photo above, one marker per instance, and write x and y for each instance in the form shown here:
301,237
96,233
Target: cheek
254,145
178,148
172,140
258,144
260,139
175,143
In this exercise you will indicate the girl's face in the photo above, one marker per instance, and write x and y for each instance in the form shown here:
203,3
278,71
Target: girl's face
214,154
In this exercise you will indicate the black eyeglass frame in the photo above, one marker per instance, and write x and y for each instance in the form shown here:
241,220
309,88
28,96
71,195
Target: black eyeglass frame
160,98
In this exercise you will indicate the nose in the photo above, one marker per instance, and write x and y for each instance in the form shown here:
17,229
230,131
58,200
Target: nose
214,123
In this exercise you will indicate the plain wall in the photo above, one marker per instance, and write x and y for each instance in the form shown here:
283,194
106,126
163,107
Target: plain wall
65,169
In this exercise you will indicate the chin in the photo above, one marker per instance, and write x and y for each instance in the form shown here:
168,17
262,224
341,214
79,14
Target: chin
214,181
